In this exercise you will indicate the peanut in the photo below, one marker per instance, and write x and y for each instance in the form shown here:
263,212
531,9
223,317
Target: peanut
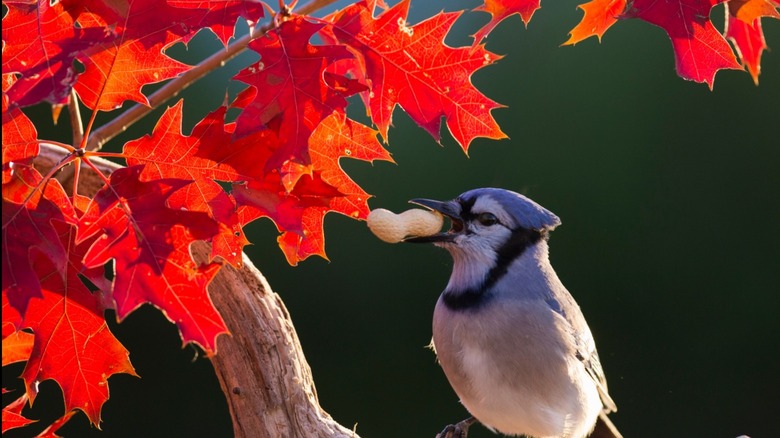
393,228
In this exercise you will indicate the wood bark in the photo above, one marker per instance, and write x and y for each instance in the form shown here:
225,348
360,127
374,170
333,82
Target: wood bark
261,366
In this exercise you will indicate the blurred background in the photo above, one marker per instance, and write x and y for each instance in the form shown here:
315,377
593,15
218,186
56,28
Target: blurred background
669,195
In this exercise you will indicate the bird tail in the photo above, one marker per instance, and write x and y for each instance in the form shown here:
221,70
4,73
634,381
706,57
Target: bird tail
604,428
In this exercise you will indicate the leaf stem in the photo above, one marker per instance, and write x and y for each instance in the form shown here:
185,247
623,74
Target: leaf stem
57,144
76,173
171,89
106,154
76,125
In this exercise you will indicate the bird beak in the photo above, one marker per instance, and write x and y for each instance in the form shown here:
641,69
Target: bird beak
451,209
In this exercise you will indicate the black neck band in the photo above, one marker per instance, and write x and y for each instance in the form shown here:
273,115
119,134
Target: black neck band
472,298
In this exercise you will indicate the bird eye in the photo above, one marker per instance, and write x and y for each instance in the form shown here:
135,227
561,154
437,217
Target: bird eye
487,219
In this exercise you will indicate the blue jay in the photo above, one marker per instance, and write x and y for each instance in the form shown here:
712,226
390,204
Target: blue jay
511,339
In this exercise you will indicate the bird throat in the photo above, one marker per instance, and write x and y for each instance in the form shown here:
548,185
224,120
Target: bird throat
471,298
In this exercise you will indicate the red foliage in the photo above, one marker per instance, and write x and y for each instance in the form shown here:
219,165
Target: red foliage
280,159
411,66
700,50
149,243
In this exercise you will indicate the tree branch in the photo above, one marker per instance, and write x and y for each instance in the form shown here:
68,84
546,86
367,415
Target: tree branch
261,366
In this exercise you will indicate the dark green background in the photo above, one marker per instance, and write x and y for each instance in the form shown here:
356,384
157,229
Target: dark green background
670,199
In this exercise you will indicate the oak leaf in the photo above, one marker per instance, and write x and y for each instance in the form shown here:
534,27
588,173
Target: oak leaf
150,245
700,50
72,343
12,414
599,16
288,93
17,347
119,44
410,66
502,9
30,207
40,43
20,143
743,28
203,158
322,188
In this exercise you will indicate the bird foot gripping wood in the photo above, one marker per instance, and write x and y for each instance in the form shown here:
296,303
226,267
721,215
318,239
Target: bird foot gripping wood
457,430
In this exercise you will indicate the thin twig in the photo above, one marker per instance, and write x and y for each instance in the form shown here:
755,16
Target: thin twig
101,135
77,127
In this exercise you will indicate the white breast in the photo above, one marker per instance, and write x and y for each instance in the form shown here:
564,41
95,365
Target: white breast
511,375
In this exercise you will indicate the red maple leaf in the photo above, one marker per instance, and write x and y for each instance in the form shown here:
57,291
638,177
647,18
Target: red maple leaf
700,50
599,16
30,206
411,66
20,143
323,187
51,431
502,9
218,16
149,243
115,72
749,43
120,45
287,90
743,28
12,414
17,347
72,344
40,43
750,10
202,158
12,319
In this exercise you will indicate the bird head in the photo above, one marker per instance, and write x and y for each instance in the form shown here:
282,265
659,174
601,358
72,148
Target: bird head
487,217
490,229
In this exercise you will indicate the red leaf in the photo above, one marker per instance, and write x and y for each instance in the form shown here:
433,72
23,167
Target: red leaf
202,158
699,49
749,42
413,68
749,11
501,9
221,16
12,414
50,432
120,44
287,89
115,71
743,28
599,16
322,188
17,347
29,208
337,137
20,142
41,42
12,319
150,243
72,343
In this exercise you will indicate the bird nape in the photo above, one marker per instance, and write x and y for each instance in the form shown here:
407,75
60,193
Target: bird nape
510,338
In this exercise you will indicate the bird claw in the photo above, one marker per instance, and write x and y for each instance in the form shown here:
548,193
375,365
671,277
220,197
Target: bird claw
457,430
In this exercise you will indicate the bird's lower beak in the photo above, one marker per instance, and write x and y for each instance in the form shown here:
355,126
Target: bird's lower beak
451,209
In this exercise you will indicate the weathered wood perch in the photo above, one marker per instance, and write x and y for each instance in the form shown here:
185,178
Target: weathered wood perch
261,367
